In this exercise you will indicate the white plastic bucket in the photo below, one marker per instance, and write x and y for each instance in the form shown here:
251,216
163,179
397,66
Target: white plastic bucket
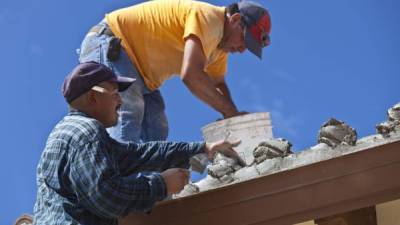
251,129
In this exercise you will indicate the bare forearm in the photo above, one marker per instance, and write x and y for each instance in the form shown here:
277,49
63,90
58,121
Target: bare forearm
198,81
202,87
224,90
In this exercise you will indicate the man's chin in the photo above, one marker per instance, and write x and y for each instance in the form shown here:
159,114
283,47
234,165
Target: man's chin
113,123
228,50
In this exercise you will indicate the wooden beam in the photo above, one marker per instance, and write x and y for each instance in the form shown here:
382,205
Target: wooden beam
338,185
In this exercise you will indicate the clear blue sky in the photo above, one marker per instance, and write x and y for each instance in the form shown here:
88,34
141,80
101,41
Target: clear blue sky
327,59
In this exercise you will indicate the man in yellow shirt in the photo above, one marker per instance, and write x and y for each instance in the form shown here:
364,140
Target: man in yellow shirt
155,40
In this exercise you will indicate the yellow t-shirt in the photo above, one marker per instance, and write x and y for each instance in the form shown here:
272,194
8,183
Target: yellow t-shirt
153,34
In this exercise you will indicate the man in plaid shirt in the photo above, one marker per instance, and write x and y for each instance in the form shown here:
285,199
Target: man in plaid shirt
86,177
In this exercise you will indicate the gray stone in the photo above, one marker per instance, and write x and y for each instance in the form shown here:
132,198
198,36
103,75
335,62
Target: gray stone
208,183
394,112
199,162
189,189
269,166
228,178
219,170
387,127
315,155
246,173
271,148
320,146
222,165
392,124
336,132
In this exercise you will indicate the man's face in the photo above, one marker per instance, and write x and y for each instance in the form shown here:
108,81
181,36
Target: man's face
108,103
233,40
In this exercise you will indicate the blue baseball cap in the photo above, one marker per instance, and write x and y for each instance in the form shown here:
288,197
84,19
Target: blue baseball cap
86,75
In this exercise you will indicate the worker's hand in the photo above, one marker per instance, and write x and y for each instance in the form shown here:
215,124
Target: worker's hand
224,147
233,114
175,179
241,113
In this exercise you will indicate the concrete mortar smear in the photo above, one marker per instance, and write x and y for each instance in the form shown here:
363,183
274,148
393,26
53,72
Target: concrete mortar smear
392,125
335,132
339,139
394,112
271,148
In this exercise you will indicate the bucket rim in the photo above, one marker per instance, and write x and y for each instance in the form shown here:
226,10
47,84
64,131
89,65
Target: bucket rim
242,118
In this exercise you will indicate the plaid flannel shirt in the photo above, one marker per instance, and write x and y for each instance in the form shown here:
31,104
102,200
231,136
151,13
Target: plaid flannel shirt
86,177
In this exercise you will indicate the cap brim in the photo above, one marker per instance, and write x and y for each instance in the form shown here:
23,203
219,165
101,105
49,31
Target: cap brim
252,44
123,82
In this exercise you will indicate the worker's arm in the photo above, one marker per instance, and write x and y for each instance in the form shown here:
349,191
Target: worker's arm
198,81
156,155
221,86
161,155
101,187
111,179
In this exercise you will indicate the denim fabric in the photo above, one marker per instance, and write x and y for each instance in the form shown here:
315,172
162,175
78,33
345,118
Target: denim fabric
142,114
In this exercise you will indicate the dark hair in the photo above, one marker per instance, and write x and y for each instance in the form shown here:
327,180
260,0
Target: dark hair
232,9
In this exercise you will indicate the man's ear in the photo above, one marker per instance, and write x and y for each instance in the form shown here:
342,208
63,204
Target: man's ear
91,97
235,18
